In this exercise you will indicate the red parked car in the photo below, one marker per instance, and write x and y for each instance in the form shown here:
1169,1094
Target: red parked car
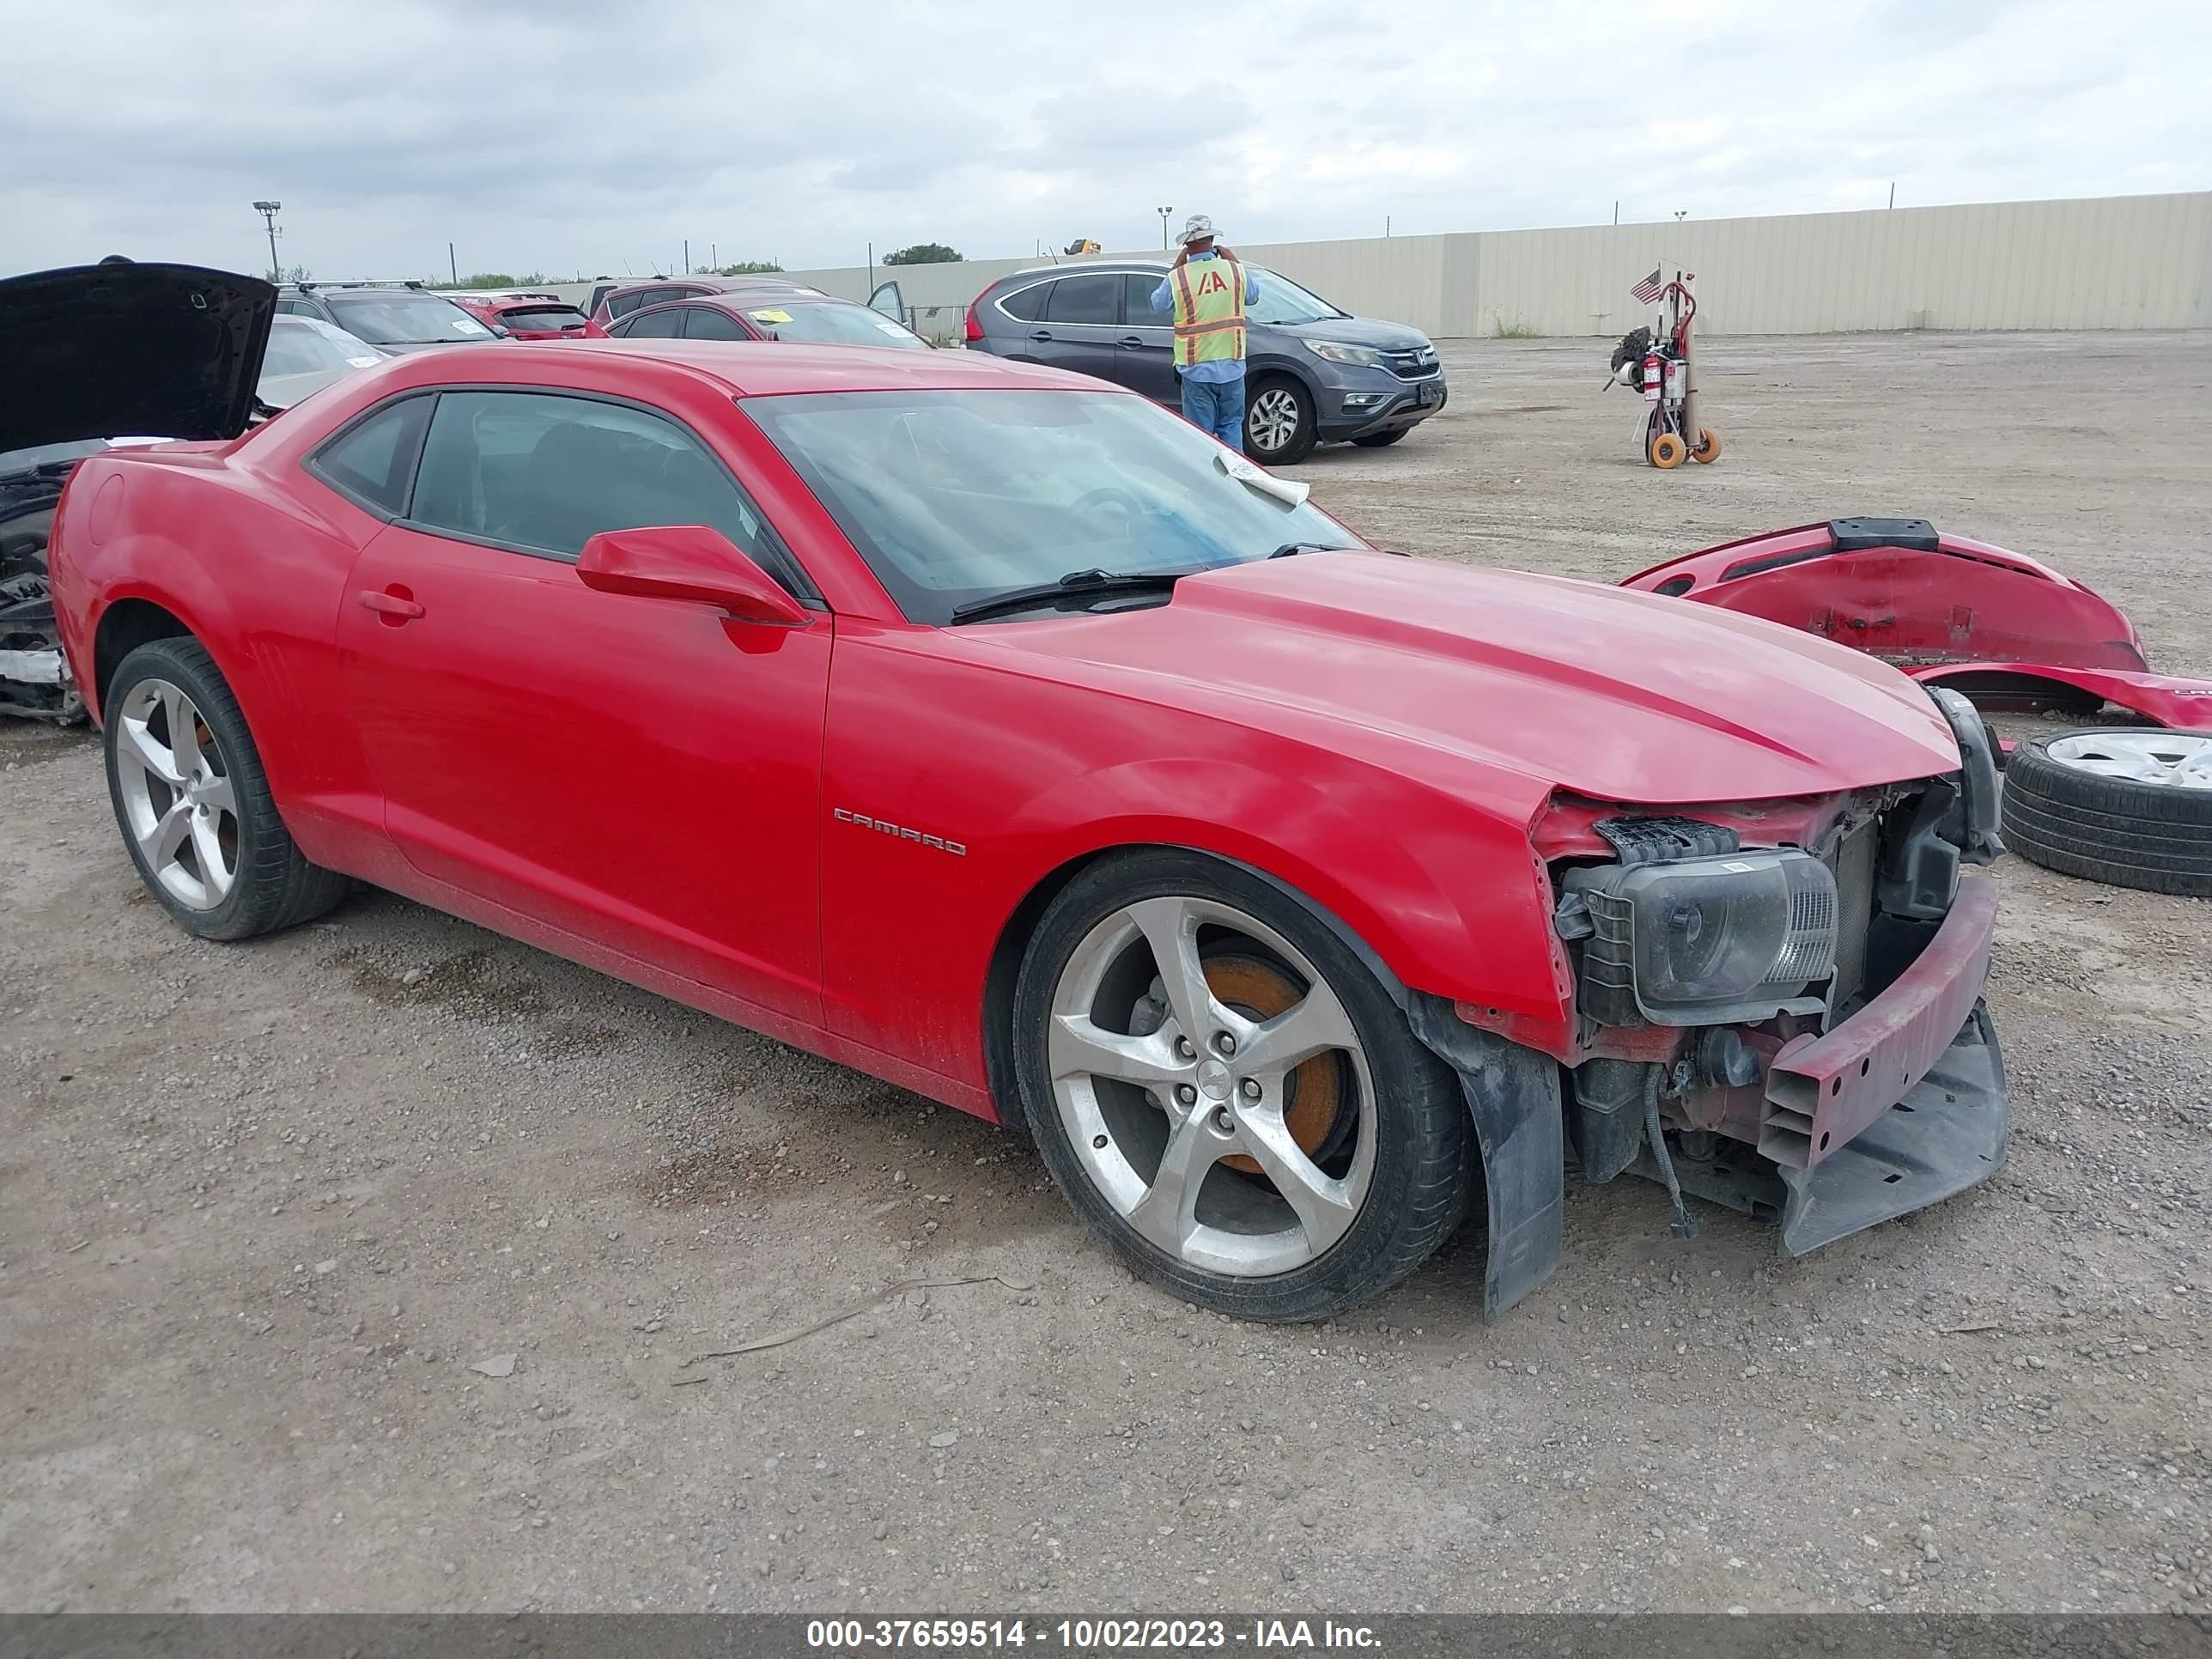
813,317
530,316
990,729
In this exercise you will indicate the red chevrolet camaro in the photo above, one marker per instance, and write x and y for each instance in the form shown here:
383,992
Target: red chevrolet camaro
990,730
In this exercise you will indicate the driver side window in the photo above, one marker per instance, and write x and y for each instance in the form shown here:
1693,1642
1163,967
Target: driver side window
542,474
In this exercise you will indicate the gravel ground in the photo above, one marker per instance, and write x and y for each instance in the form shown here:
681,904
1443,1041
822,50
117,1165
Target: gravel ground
355,1268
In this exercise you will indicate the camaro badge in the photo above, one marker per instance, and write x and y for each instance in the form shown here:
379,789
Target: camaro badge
958,849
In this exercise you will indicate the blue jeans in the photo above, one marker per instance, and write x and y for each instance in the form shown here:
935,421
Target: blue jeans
1215,406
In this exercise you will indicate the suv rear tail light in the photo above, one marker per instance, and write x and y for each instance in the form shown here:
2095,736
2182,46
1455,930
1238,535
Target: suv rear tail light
975,323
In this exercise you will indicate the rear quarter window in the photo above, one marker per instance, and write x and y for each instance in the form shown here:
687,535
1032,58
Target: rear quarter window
372,462
1026,305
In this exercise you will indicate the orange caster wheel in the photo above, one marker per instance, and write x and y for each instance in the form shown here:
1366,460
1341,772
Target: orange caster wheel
1668,450
1709,446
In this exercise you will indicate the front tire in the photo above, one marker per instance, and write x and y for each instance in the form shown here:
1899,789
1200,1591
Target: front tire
1225,1091
193,802
1281,427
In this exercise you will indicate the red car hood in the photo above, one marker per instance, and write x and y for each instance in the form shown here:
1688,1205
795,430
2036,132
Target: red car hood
1616,695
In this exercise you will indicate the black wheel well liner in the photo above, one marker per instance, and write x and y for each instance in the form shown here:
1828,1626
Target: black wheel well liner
126,625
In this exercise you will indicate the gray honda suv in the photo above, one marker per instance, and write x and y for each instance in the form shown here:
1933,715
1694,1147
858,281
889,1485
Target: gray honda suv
1313,374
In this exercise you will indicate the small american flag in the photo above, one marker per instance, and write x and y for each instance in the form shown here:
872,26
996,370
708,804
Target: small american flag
1650,288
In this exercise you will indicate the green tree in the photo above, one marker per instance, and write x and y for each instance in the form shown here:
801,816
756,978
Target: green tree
491,279
743,268
924,253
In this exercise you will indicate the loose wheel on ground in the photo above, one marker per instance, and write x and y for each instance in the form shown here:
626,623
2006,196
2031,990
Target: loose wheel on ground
1225,1091
2130,805
1280,425
194,804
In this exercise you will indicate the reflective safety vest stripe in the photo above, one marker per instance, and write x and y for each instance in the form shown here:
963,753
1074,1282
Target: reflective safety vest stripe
1209,311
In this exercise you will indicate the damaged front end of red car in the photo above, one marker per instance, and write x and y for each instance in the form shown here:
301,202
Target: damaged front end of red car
1777,1008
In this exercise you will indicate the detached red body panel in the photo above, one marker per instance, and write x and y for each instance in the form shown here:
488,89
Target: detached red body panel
2184,704
2007,630
1938,600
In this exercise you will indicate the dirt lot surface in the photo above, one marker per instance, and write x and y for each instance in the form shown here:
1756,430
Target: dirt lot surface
265,1210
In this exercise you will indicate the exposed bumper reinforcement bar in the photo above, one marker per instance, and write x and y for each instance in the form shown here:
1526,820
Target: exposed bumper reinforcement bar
1823,1092
1948,1134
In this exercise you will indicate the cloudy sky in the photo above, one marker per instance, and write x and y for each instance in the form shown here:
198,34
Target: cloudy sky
561,137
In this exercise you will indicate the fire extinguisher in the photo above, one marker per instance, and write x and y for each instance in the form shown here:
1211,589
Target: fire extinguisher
1651,372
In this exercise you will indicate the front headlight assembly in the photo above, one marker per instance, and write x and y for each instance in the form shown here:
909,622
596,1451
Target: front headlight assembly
1343,351
1735,939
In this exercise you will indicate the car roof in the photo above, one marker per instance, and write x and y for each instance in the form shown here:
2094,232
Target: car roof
749,301
748,369
723,284
1088,268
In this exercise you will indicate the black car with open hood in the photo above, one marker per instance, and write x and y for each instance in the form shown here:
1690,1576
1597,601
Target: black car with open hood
90,353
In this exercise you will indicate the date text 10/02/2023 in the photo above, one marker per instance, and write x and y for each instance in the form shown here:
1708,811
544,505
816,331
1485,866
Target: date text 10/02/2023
1088,1635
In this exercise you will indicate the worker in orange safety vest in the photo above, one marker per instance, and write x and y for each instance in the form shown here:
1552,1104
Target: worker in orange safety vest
1208,289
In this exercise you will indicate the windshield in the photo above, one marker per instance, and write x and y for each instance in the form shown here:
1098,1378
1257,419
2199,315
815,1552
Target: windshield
307,345
543,319
833,325
404,319
953,497
1282,300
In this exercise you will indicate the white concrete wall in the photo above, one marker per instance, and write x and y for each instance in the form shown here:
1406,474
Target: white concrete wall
2118,262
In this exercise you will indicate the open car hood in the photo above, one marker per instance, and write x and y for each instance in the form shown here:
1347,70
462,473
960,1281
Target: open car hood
146,351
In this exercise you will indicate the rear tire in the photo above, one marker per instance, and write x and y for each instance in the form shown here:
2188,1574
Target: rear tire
194,803
1281,428
1382,439
2120,829
1158,1137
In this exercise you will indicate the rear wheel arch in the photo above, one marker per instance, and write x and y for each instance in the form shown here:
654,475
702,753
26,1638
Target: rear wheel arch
124,627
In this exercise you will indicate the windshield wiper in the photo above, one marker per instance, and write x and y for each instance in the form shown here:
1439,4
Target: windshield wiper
1289,550
1082,582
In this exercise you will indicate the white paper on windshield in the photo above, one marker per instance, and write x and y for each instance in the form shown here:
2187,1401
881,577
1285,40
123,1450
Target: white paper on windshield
893,329
468,327
363,363
1253,478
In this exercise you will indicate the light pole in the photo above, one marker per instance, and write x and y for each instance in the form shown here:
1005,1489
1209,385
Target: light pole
1164,213
268,211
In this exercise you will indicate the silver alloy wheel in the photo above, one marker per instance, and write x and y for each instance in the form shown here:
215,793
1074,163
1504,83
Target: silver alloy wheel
177,794
1150,1117
2174,760
1274,422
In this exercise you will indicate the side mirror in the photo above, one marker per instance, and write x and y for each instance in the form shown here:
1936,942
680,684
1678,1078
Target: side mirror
686,561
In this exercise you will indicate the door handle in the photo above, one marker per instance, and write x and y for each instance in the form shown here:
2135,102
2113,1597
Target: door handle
394,608
1131,340
1040,334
